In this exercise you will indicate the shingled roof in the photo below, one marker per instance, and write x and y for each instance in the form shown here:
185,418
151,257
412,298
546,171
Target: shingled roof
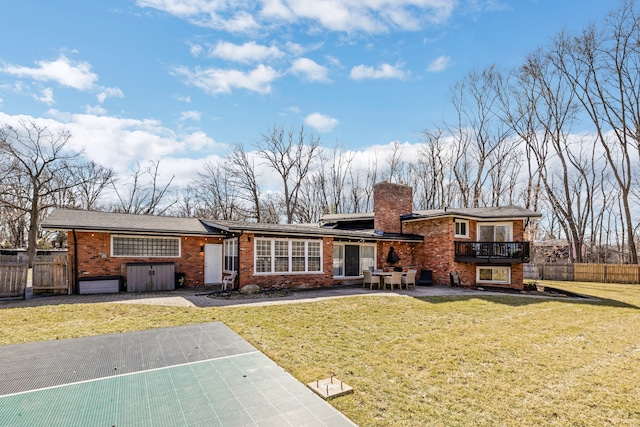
305,230
69,219
489,213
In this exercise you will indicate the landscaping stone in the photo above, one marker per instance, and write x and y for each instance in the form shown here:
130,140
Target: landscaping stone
250,289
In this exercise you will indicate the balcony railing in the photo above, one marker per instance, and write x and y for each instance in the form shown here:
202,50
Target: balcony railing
492,252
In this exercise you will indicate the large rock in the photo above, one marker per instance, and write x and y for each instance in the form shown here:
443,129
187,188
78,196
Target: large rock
250,289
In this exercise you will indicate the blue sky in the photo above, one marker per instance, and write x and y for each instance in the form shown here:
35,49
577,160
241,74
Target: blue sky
183,80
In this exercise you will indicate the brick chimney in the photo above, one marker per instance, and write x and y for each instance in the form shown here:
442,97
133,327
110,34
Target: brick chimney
389,202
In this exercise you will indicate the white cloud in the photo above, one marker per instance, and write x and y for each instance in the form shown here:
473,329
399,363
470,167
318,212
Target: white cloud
246,53
218,14
120,142
186,99
191,115
296,48
309,70
333,61
441,63
97,110
320,122
196,50
46,97
385,71
109,92
216,80
64,71
370,16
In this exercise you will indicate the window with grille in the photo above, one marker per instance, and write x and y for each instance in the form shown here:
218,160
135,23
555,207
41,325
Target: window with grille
231,255
263,256
462,228
145,246
288,256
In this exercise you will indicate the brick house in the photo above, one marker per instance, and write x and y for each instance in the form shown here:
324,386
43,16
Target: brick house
482,246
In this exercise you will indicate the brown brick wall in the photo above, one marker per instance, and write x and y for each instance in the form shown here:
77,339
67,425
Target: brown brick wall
318,280
437,254
408,253
389,202
91,263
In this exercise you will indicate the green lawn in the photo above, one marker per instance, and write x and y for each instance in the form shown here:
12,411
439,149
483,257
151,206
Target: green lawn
444,361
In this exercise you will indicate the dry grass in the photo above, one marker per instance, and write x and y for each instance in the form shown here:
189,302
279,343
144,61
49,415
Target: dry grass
443,361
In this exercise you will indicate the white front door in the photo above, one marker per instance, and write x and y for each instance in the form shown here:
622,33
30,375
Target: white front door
212,264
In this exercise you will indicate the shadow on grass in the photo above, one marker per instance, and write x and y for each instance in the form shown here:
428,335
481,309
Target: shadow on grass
517,300
434,294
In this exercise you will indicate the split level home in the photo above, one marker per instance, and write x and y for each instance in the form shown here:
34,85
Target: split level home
111,252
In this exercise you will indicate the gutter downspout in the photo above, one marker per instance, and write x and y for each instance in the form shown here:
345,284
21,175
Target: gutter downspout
239,252
75,262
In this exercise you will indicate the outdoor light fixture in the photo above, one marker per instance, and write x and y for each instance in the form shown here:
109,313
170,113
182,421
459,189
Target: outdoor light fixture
201,248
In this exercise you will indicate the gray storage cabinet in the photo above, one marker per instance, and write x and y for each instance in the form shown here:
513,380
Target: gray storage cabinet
148,277
100,285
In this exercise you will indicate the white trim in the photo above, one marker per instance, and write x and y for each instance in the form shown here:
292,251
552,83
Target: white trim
142,237
455,225
493,267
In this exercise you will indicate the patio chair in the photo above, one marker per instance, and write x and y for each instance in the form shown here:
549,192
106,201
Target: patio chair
455,278
370,279
426,278
229,280
409,279
394,279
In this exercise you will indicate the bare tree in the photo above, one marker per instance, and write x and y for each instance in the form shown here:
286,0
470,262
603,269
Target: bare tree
144,194
479,132
216,194
397,166
431,168
242,174
93,180
603,70
567,167
290,154
36,156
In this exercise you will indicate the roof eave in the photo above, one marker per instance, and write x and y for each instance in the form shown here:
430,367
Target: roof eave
91,229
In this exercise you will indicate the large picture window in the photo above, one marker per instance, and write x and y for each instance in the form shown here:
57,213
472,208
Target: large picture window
145,246
288,256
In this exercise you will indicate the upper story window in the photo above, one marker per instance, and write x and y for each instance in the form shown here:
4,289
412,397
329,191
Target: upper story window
462,228
145,246
288,256
495,232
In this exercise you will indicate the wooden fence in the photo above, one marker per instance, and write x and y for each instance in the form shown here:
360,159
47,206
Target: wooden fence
50,273
13,279
603,273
